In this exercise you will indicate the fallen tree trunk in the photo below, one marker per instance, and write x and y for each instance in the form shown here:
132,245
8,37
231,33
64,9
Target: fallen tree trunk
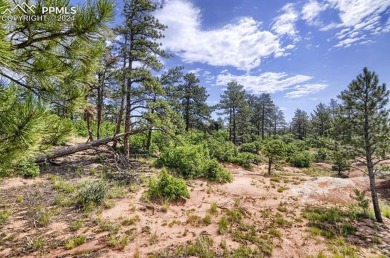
76,148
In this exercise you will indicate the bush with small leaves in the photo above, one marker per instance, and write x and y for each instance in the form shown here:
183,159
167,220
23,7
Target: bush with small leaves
245,159
27,168
301,159
167,187
251,147
215,172
188,160
222,150
92,193
322,155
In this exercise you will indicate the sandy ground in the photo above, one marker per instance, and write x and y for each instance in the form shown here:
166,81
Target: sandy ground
159,229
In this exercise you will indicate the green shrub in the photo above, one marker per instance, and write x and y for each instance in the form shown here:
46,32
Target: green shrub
4,215
167,187
215,172
92,193
251,147
245,159
190,161
222,150
301,159
291,149
193,161
362,202
27,168
322,155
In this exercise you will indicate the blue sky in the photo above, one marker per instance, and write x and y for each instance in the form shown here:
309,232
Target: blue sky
302,52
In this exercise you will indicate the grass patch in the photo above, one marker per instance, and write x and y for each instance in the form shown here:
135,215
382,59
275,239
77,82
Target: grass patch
118,242
316,171
118,191
245,251
43,215
385,209
235,215
19,199
64,200
282,222
35,244
194,220
4,215
213,208
201,247
60,185
343,249
130,221
329,222
223,225
106,225
74,242
76,225
207,220
275,232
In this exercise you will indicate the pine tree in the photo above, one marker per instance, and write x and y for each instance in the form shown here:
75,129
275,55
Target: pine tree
321,120
141,33
193,99
273,150
299,125
47,67
57,60
233,101
263,114
365,114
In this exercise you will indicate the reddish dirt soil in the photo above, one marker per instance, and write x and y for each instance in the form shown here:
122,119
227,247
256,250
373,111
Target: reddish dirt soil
162,228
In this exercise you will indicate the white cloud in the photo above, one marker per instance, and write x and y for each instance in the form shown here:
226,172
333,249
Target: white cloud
304,90
268,82
241,44
357,19
310,12
285,23
195,71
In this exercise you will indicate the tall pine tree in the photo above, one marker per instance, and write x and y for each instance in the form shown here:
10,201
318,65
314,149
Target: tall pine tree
140,33
365,114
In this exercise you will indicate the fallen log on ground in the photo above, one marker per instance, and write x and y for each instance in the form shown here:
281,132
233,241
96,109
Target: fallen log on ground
76,148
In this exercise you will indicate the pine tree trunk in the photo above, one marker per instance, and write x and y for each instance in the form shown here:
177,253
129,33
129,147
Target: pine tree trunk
90,133
269,165
123,92
187,114
99,106
230,124
149,137
374,195
234,126
262,122
126,140
120,115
